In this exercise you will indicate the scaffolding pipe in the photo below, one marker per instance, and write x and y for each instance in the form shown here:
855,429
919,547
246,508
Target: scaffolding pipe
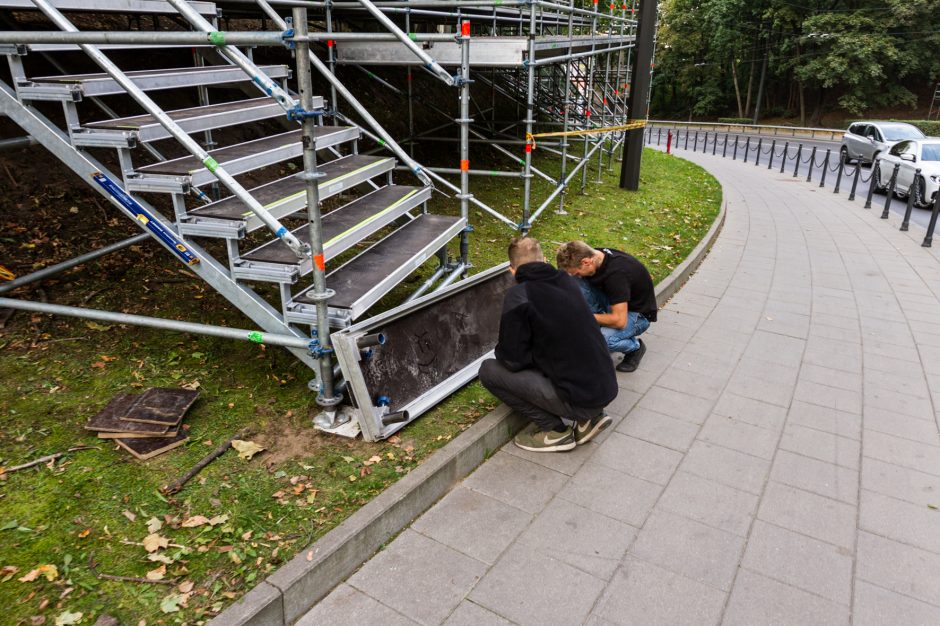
326,396
530,109
464,122
429,63
299,249
223,332
384,138
564,184
73,262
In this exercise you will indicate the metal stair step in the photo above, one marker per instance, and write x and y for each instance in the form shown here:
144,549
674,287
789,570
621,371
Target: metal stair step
176,174
364,280
145,128
114,6
342,229
230,218
76,86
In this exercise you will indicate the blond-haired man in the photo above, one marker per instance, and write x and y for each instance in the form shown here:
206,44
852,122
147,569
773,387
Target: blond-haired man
551,360
620,293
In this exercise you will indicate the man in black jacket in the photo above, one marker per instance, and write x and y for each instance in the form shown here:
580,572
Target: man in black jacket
551,360
619,291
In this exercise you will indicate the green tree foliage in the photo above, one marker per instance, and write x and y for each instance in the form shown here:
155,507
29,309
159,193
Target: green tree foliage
853,55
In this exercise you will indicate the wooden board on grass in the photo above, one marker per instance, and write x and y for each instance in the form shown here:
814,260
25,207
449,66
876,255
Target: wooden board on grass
161,405
148,448
108,420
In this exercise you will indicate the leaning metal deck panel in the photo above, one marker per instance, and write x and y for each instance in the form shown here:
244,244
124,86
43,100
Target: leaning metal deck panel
354,280
484,51
137,122
364,215
335,174
113,6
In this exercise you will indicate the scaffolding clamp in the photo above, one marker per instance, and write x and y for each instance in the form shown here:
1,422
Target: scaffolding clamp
460,81
299,114
288,37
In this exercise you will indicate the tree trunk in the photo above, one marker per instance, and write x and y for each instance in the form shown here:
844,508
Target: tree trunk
750,83
801,89
760,88
737,88
817,112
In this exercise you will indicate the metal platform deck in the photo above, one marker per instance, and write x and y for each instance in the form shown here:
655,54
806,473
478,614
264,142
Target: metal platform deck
484,52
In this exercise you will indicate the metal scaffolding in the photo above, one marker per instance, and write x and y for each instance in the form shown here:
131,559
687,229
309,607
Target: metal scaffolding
519,69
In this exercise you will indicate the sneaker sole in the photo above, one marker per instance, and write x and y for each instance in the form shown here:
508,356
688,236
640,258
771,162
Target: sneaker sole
598,428
561,447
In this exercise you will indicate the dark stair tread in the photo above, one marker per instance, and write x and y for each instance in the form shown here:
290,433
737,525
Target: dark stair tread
335,223
233,209
137,121
356,278
187,164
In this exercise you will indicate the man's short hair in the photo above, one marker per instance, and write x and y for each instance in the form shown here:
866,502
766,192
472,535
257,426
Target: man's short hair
524,250
570,255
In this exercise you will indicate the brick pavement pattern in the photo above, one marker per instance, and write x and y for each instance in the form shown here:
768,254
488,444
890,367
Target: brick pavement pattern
774,460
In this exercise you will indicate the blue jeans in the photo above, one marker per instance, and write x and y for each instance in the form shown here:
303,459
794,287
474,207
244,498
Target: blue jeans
618,340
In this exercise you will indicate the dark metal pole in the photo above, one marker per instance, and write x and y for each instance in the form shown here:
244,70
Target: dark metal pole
659,136
839,174
715,145
638,104
889,192
825,168
928,239
799,155
858,173
786,153
734,155
773,149
724,151
686,146
910,203
760,143
812,162
747,148
871,183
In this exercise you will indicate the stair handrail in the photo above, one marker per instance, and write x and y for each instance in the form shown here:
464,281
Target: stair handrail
389,142
299,248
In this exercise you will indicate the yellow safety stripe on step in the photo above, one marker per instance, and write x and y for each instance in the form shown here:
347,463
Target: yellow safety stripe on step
530,138
371,218
270,205
6,274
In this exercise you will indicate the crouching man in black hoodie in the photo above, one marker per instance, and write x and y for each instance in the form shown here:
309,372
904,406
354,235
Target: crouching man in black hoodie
551,359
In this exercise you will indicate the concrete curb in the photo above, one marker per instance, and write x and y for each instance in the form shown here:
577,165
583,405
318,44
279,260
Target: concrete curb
293,589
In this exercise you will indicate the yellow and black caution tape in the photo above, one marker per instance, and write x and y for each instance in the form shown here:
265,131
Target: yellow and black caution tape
6,274
530,138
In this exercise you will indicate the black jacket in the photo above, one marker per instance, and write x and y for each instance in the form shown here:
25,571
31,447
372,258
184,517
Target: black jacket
546,324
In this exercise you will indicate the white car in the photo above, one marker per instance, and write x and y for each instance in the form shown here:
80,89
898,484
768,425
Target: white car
910,156
865,141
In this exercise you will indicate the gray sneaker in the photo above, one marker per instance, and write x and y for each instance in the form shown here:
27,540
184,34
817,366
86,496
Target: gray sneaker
538,441
586,430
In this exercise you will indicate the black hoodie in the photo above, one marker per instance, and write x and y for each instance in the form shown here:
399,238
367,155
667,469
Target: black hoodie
546,324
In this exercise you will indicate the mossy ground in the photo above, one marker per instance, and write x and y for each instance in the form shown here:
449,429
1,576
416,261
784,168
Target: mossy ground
95,504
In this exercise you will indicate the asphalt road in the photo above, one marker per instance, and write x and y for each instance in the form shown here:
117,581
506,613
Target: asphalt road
918,216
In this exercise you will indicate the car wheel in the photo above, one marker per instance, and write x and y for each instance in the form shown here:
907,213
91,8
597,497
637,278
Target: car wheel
919,201
844,155
876,178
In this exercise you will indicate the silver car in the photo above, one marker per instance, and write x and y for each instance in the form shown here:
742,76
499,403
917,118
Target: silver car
865,141
909,157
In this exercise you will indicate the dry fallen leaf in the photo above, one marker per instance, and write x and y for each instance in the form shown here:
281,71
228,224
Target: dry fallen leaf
130,516
67,619
246,449
194,521
51,572
154,525
157,574
160,558
154,542
186,586
218,519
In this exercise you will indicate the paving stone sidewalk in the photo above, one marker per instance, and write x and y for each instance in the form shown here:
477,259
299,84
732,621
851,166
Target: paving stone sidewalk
775,459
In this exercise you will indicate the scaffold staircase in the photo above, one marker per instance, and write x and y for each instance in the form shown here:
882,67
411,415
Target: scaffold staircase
374,203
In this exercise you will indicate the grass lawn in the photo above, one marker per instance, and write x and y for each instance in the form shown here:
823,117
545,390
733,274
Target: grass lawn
239,519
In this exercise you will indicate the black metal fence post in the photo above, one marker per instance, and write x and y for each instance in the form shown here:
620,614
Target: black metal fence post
928,238
695,145
825,169
705,145
724,151
858,174
910,202
734,157
871,183
659,136
686,146
760,142
715,145
773,148
799,155
812,162
786,153
839,174
889,192
747,148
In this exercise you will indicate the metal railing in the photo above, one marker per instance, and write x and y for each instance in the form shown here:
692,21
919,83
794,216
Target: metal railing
832,134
